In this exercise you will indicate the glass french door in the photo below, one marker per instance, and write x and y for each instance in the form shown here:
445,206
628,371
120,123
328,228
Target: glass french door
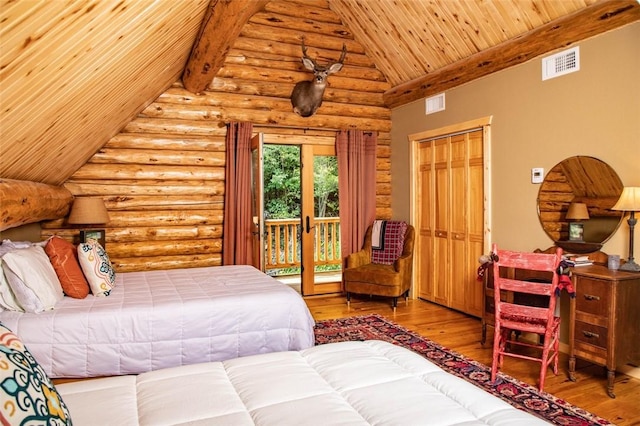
296,214
321,259
257,205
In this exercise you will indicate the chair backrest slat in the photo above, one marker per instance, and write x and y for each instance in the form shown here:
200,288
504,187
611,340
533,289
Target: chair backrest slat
528,287
529,261
510,309
540,262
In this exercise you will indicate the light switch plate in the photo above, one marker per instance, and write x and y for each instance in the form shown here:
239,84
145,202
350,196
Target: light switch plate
537,175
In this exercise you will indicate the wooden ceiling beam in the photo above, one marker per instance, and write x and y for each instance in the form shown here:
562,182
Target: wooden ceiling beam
221,26
595,19
26,202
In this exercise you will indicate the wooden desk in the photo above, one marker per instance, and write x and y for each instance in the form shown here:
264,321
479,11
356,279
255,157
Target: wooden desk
604,319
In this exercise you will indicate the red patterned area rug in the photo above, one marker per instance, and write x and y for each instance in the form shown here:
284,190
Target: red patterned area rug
515,392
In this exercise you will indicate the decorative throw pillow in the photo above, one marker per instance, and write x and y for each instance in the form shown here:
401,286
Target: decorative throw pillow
391,242
32,278
97,268
27,395
64,258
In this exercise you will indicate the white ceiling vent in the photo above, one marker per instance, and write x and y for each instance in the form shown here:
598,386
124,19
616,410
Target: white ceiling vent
561,63
435,104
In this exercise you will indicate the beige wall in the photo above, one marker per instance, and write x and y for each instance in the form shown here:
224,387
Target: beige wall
29,232
594,112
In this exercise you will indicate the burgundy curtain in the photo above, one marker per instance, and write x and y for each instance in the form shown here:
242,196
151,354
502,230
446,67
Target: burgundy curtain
238,223
356,152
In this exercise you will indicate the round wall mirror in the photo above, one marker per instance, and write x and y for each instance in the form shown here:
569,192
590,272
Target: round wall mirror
574,203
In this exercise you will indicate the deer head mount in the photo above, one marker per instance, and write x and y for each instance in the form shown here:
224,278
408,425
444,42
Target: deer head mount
306,96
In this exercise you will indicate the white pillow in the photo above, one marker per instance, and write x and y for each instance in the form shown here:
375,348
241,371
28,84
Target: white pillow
32,278
96,267
7,298
8,245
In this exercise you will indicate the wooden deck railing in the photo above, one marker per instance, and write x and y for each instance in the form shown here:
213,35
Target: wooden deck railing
282,241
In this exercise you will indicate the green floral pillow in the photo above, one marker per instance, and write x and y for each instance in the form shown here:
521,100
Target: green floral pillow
27,395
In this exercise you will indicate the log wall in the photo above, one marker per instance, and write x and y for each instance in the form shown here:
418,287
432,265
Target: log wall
162,176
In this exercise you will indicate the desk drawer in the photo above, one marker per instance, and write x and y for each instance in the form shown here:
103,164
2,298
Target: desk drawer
593,296
592,334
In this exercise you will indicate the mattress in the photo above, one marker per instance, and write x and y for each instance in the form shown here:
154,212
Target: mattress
349,383
159,319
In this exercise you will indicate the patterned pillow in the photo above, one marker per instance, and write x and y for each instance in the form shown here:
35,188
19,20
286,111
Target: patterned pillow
96,267
391,242
27,395
64,258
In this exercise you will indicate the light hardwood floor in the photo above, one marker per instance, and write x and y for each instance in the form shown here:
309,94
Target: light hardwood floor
462,333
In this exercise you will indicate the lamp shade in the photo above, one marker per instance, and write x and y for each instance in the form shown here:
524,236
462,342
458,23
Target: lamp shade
88,210
577,211
629,199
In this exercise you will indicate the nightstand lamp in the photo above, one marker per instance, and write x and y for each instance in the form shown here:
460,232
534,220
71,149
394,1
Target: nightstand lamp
577,212
629,202
89,211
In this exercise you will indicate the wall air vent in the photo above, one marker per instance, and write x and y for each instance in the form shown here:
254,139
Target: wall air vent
435,104
561,63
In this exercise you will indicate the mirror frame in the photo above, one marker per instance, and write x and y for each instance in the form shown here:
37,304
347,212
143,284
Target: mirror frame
598,185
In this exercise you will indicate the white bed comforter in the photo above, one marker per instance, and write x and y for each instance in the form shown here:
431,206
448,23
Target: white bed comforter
159,319
349,383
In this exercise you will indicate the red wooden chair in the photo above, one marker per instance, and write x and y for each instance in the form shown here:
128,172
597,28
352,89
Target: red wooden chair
510,317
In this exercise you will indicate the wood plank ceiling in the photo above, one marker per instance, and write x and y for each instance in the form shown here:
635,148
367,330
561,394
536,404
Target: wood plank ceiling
72,74
424,47
409,39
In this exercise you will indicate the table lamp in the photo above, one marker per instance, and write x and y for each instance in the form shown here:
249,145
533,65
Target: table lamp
577,212
629,201
88,211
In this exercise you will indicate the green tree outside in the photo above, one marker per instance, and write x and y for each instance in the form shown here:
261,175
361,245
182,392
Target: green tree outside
282,183
282,188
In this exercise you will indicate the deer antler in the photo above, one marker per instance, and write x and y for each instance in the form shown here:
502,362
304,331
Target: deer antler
344,53
315,64
305,56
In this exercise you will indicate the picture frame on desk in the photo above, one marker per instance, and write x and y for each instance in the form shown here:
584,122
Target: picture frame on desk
95,234
576,231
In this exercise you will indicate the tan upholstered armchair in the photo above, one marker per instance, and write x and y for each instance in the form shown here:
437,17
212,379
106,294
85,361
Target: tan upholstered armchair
363,277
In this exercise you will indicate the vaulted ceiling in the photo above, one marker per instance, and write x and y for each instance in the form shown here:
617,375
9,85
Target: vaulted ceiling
73,74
